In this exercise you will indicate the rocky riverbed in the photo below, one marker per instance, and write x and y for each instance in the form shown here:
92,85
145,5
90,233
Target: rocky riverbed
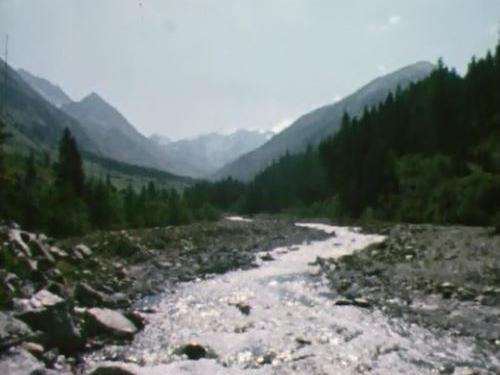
60,299
262,296
443,278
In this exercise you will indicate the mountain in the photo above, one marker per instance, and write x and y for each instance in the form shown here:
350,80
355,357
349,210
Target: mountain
52,93
32,121
105,129
114,135
207,153
312,128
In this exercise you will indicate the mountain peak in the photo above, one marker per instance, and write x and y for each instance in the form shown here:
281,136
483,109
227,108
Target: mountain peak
49,91
94,99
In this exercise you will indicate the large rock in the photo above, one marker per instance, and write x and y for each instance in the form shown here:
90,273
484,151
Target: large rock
109,322
20,362
12,331
48,313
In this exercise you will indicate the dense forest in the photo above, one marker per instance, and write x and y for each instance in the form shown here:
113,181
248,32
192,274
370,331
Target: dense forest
58,198
429,153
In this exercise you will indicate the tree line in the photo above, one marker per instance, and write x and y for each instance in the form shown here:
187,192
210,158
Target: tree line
59,199
428,153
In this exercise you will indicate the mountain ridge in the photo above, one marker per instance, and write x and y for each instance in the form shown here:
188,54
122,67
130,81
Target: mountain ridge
314,126
50,91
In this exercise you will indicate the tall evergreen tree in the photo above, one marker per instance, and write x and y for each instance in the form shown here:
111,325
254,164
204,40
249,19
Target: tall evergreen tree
69,168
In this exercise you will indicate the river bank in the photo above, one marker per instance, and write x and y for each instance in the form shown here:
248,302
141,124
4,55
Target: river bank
61,299
443,278
261,296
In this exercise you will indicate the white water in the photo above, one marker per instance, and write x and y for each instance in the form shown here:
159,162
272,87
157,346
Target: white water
289,303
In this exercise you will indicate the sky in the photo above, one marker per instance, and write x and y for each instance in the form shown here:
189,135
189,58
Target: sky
185,67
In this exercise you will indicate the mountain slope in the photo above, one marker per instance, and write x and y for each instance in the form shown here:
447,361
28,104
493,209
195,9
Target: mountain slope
208,152
315,126
31,119
115,136
52,93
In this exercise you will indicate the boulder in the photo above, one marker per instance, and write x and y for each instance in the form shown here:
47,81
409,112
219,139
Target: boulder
20,362
12,331
102,321
48,313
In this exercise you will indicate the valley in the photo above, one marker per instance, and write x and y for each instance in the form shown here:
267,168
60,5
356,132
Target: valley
249,187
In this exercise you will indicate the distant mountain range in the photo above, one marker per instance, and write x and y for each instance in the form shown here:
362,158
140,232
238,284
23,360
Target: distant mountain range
35,123
39,110
209,152
312,128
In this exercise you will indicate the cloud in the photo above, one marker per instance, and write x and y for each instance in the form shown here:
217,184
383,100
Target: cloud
390,23
382,68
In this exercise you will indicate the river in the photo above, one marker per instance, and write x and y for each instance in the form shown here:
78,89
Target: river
280,318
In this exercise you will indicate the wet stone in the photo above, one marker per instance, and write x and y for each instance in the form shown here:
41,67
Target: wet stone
193,351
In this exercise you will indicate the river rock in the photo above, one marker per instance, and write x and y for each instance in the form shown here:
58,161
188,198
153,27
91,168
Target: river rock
48,313
20,362
38,248
115,368
12,330
17,239
88,296
83,250
109,322
194,351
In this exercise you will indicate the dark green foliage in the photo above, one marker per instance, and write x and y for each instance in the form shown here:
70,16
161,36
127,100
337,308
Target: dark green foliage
292,181
61,202
69,168
429,153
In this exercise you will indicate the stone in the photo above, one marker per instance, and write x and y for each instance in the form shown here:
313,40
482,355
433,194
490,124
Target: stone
40,249
34,348
103,321
137,318
47,312
267,257
193,351
12,330
19,362
244,308
83,249
115,368
16,238
359,302
88,296
57,252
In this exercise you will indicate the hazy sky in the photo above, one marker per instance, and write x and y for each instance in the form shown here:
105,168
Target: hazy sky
183,67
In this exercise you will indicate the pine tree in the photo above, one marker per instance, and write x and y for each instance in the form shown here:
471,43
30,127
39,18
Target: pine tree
3,138
30,173
69,168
